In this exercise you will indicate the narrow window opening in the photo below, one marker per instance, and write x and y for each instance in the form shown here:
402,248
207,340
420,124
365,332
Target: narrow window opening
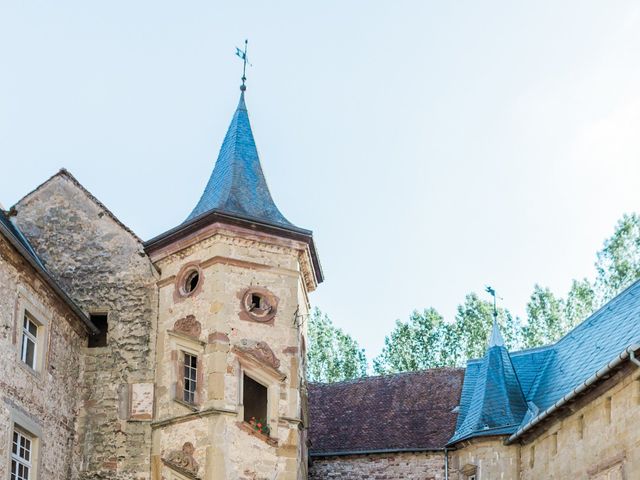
21,456
256,301
29,341
191,282
255,403
532,456
607,409
100,338
554,443
190,378
581,427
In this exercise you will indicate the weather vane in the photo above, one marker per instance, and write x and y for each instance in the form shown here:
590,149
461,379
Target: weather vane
492,292
243,56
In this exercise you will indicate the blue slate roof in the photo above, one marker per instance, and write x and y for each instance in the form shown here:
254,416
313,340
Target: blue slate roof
547,374
495,404
13,230
237,185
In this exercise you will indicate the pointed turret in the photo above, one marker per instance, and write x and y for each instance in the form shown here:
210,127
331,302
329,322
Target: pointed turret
497,404
237,185
237,196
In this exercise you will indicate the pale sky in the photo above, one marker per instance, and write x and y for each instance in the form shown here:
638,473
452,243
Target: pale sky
433,147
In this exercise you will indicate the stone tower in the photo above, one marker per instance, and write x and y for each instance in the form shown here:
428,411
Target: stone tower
234,277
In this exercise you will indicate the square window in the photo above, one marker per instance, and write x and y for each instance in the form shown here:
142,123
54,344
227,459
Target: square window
254,399
101,322
190,376
28,351
21,456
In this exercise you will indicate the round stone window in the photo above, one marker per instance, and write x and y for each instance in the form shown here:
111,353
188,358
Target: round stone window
259,304
189,280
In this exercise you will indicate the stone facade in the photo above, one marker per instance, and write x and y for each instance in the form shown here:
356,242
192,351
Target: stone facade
213,323
104,268
40,401
400,465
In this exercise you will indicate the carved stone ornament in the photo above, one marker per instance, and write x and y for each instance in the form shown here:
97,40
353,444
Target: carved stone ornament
260,351
188,325
182,460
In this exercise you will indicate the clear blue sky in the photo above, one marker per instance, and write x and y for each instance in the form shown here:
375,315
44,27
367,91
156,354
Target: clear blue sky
433,147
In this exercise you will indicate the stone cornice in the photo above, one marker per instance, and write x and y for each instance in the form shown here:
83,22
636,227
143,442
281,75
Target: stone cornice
205,226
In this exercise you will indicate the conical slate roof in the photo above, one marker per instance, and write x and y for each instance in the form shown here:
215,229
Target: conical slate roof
237,185
497,404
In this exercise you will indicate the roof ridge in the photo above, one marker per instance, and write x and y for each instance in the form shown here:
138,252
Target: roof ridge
63,172
389,375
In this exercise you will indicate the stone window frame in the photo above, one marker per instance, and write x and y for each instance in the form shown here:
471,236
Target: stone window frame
247,314
266,379
181,344
179,293
23,423
28,305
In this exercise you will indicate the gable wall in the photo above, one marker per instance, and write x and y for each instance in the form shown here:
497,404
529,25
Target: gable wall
103,267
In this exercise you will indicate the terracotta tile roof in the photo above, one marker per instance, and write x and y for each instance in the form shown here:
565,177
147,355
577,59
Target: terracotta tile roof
406,411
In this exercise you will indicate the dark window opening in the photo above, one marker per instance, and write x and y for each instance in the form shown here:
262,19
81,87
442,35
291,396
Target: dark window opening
254,401
192,282
99,339
256,301
190,378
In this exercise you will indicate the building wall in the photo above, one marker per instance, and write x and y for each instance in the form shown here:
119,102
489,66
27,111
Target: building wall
406,466
493,459
599,440
213,324
44,401
104,268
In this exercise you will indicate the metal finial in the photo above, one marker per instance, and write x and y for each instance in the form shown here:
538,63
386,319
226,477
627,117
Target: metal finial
492,292
243,56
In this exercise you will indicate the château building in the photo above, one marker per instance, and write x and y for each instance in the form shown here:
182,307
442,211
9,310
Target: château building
183,357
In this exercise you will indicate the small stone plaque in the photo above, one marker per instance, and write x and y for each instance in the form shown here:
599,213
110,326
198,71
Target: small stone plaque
141,403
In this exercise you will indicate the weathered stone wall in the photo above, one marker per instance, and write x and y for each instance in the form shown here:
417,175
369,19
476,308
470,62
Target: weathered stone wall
47,399
212,324
104,268
392,466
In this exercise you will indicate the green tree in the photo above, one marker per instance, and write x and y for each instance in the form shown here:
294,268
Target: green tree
413,345
580,302
333,355
546,321
618,264
468,338
427,341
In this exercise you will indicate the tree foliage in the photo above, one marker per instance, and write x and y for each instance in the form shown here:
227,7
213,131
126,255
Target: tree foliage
333,355
427,340
618,264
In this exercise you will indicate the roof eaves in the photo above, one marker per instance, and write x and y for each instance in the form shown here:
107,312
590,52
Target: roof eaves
38,266
342,453
629,352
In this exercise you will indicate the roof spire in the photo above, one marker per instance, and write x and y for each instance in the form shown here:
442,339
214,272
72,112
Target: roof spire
495,340
243,56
